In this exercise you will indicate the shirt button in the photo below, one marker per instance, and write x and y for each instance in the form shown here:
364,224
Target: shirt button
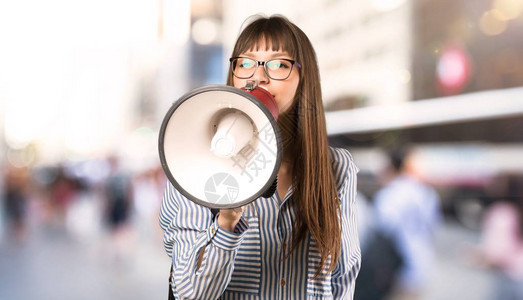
282,282
284,246
212,230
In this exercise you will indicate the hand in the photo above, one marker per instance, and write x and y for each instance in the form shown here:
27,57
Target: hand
229,218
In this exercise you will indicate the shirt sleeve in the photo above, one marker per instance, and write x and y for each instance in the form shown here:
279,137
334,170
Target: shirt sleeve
343,279
202,253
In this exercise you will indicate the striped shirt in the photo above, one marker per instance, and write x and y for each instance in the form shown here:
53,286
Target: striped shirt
250,263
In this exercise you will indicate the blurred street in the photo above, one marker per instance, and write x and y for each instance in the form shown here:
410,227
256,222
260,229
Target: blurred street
84,240
53,265
454,278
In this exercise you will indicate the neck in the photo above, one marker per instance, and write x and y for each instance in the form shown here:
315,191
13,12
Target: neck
286,167
289,154
287,123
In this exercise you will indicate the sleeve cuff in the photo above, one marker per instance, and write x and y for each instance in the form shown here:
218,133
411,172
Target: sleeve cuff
227,240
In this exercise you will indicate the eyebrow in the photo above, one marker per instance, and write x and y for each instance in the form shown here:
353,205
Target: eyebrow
274,55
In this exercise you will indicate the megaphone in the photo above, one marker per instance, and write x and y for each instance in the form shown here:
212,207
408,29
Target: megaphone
220,146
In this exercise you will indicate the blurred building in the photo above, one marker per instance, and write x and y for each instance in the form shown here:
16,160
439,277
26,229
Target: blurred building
100,74
106,87
443,76
205,47
466,46
361,45
463,47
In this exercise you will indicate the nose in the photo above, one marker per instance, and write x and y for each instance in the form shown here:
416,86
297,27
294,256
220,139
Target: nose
260,75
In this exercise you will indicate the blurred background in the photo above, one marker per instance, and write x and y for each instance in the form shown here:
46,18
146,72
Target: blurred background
84,87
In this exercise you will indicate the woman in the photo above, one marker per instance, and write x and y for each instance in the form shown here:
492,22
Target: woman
302,243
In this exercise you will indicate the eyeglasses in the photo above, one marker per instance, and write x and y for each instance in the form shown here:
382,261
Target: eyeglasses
277,69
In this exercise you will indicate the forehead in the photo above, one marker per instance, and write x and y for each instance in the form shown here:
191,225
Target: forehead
265,49
266,41
264,55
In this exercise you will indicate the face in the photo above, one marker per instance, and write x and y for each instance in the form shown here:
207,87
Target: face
282,90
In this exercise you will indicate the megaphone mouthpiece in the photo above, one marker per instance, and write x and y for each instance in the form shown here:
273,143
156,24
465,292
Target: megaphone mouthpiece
264,97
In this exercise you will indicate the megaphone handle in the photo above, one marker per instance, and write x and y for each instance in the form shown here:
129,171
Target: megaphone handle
268,193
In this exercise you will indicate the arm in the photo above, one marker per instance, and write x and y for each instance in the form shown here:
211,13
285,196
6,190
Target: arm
343,278
202,252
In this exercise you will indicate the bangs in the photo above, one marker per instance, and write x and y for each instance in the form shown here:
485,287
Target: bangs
267,34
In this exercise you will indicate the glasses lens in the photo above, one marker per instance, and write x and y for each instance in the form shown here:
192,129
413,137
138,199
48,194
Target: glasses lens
278,68
243,67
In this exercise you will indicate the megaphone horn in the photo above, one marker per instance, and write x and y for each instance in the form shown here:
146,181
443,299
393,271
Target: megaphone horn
220,146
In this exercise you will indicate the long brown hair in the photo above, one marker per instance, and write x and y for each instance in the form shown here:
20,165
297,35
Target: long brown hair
304,135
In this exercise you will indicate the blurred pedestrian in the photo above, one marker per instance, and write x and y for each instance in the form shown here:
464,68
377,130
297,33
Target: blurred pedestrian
407,212
502,237
365,219
118,192
63,192
118,196
15,202
380,257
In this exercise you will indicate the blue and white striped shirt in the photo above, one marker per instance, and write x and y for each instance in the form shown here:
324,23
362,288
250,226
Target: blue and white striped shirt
249,263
